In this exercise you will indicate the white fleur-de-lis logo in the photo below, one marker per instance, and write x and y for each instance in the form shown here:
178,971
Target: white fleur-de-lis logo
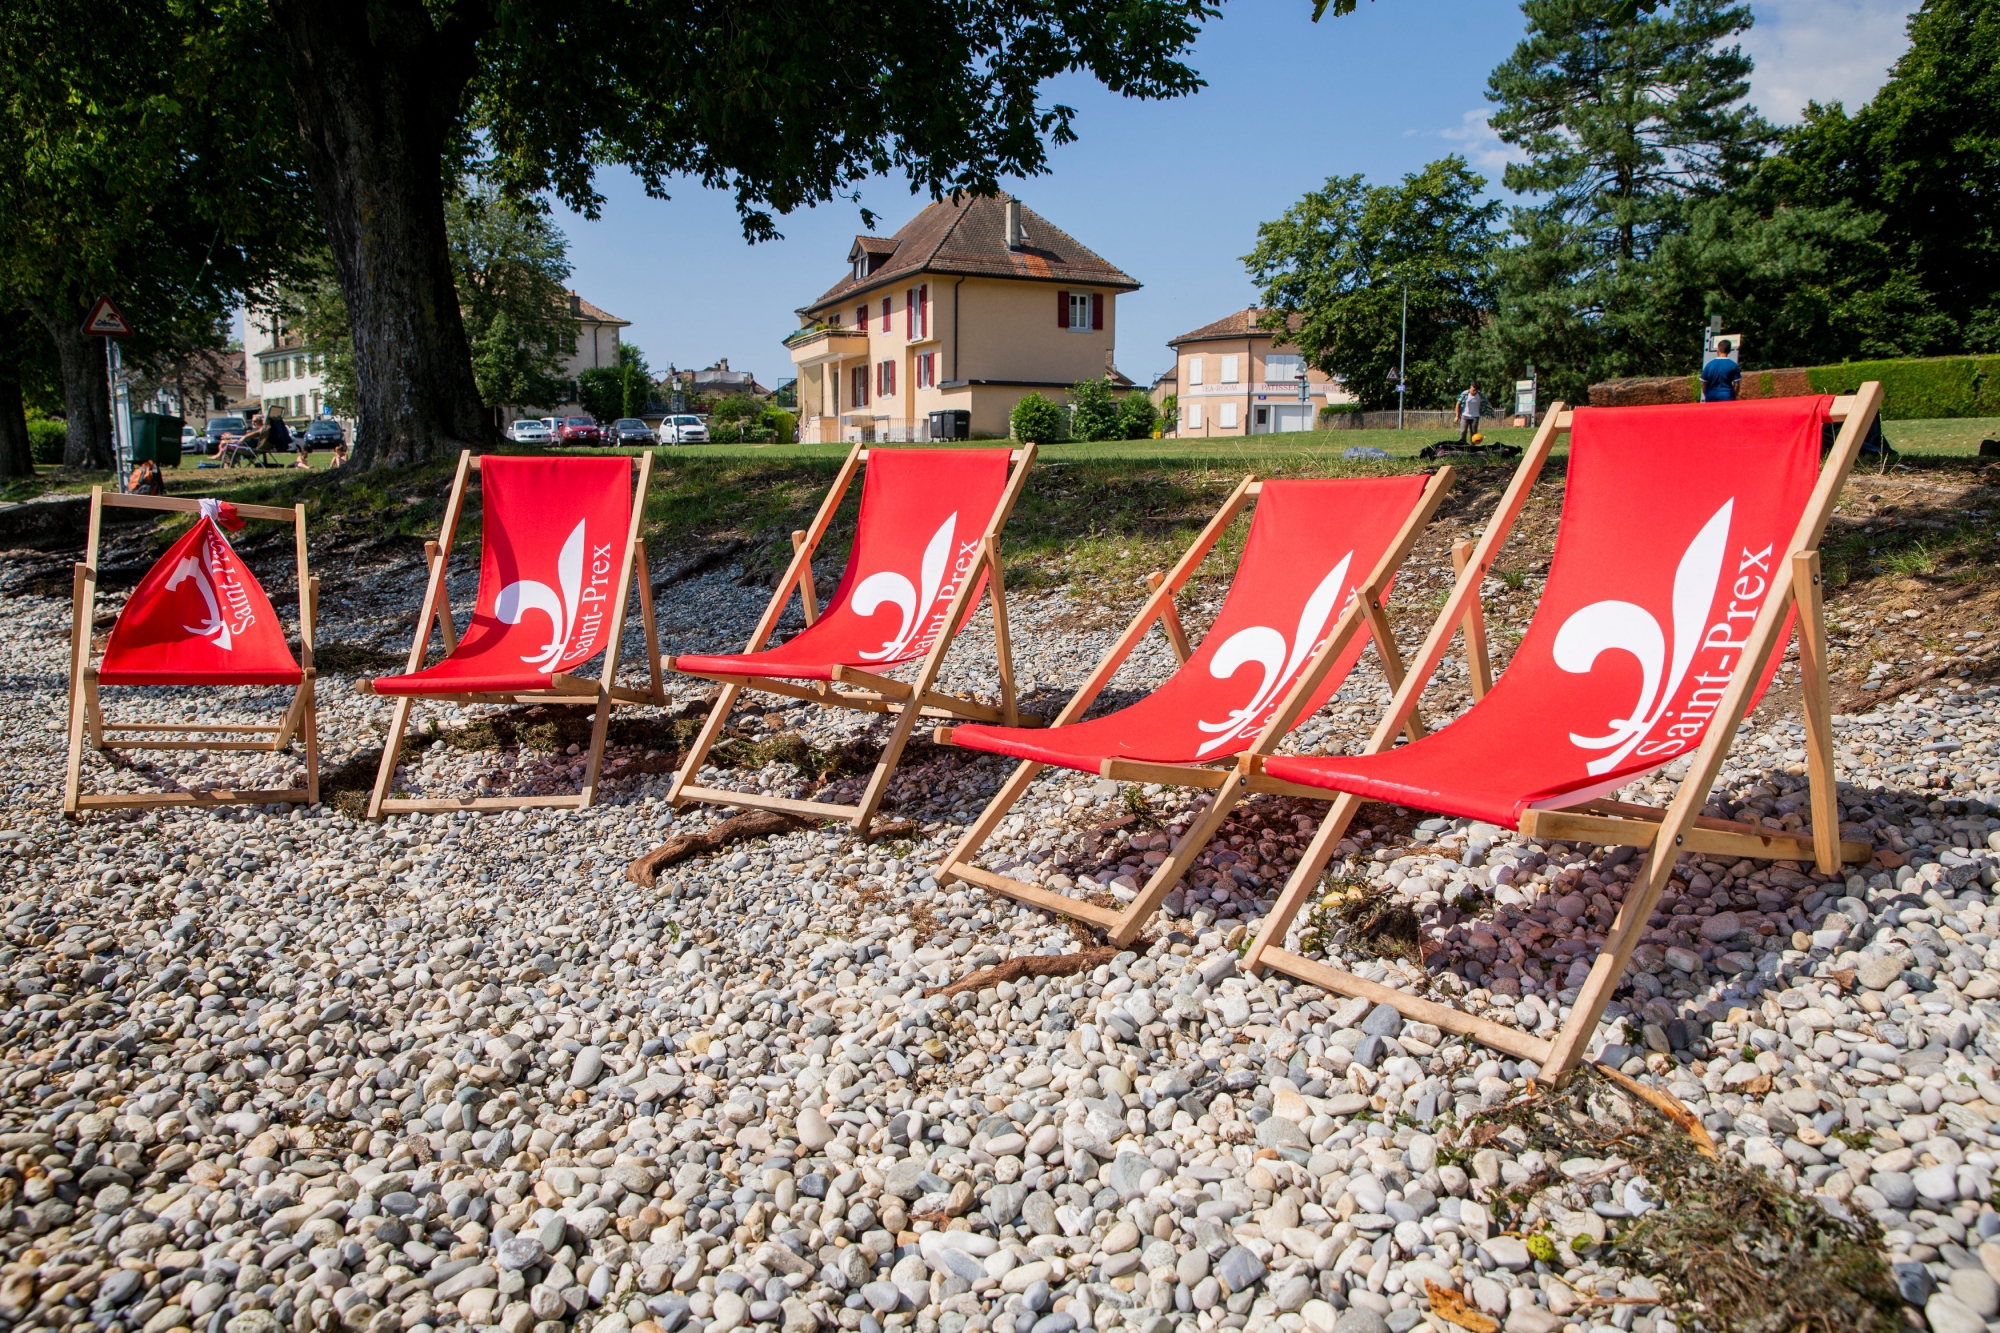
1603,626
1266,647
889,587
519,598
216,629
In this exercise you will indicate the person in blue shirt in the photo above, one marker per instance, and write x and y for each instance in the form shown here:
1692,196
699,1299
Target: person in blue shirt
1720,377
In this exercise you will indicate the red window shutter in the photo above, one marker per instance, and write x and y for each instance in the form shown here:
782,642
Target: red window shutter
1062,310
1097,310
889,369
885,314
909,313
861,318
924,311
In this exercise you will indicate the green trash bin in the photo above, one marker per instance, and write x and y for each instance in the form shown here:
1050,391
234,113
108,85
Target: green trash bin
156,437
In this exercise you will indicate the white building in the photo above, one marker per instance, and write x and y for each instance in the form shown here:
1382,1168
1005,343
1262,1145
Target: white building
279,373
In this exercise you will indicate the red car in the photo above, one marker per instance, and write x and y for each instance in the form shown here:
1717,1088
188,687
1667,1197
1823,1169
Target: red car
579,430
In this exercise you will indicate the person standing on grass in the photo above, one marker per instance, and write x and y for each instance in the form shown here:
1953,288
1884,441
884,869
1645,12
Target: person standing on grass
1721,378
1471,407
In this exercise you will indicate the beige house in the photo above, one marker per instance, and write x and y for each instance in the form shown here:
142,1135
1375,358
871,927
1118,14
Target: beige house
975,303
1238,376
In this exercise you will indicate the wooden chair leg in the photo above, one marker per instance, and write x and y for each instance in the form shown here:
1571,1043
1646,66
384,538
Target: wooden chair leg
73,776
1609,965
595,763
650,622
1304,876
1807,594
892,753
399,718
1392,660
93,711
1197,837
989,819
703,743
1003,644
311,729
1478,662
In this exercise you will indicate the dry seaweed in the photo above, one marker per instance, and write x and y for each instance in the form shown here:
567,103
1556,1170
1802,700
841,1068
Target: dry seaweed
1353,917
1740,1250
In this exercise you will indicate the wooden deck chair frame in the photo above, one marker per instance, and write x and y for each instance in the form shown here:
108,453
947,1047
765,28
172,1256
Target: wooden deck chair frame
1364,614
1663,833
878,693
565,689
89,726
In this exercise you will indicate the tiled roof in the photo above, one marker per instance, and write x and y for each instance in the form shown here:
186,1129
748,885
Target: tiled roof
596,314
968,235
1241,324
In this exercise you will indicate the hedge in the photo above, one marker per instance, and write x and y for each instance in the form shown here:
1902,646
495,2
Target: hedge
46,438
1917,387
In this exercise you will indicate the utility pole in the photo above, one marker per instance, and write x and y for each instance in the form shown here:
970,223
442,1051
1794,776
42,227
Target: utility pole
1403,357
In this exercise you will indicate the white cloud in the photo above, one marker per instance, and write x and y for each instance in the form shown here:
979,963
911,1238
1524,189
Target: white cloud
1822,50
1474,139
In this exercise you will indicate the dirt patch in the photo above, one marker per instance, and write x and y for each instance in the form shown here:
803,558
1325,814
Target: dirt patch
353,659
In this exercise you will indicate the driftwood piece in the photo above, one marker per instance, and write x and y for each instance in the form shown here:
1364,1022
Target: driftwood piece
1028,965
645,870
1668,1105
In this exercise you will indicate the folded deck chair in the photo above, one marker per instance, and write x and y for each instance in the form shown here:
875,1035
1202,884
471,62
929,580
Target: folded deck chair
1687,548
197,618
926,542
1308,594
560,546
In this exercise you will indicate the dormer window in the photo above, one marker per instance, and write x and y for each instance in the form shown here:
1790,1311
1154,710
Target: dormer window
860,267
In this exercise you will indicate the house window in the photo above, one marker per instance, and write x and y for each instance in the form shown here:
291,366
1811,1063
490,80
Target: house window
1280,367
885,314
927,370
1227,419
885,378
1194,372
1229,375
1191,415
859,395
924,311
1079,311
861,319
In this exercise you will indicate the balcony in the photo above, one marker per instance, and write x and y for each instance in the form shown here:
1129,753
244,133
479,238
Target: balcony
815,347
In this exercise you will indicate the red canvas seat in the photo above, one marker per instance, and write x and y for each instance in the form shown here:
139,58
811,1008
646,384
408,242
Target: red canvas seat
560,546
199,617
923,513
926,548
1314,575
1686,557
551,548
1311,545
1665,553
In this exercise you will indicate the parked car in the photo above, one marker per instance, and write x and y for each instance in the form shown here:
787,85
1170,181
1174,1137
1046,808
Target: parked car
221,426
579,430
324,433
191,440
529,430
682,429
631,430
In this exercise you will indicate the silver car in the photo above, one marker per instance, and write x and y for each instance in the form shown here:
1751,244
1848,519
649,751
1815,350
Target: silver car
529,430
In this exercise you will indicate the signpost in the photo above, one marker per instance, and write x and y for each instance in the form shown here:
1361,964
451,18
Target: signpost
108,322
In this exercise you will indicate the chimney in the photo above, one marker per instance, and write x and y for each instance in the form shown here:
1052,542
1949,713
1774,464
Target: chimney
1014,224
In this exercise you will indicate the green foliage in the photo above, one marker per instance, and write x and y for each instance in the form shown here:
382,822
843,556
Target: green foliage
46,437
511,266
1137,417
1037,420
784,423
1170,413
1093,411
601,390
738,407
1954,386
1340,258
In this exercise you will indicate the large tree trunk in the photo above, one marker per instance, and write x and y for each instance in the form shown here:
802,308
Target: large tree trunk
376,86
17,457
86,387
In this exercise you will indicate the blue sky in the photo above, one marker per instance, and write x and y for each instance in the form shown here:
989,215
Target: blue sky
1172,192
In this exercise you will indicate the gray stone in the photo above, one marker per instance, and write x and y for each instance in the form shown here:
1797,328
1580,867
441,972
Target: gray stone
589,1064
1879,973
1278,1132
1507,1252
1382,1021
1947,1314
519,1252
1359,1320
1003,1202
1191,1267
1291,1294
1369,1052
882,1296
1239,1270
1976,1289
1913,1282
1038,1210
1127,1170
1897,1187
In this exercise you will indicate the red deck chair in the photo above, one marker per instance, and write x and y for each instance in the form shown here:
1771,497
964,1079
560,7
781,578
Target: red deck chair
1315,573
197,618
1688,547
926,543
559,542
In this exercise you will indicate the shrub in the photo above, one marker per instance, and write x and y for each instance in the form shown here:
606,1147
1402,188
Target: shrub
1093,411
1036,420
1329,414
47,438
1170,412
1137,417
786,424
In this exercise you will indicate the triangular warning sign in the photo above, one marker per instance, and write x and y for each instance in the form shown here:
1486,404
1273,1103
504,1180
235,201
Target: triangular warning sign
107,321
